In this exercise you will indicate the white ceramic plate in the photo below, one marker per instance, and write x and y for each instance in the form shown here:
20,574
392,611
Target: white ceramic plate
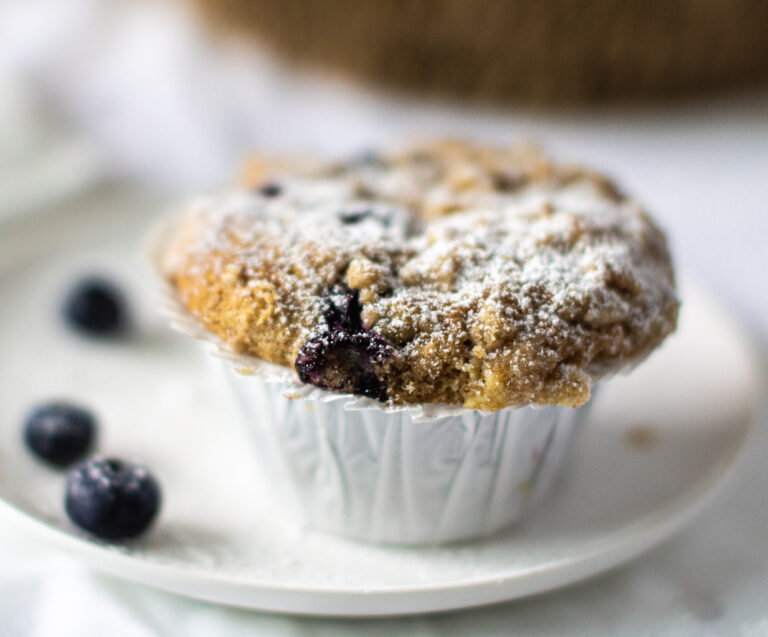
658,444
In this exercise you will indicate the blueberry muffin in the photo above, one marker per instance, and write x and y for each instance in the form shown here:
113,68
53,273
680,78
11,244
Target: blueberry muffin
444,272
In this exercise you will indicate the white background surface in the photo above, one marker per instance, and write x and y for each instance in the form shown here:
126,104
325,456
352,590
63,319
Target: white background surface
702,168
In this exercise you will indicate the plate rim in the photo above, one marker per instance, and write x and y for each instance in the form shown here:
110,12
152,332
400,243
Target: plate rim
389,600
629,542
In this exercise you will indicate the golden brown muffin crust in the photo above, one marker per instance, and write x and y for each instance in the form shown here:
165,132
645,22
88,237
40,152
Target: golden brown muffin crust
442,273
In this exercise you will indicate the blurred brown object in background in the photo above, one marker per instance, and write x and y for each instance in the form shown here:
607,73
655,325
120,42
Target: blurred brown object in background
536,51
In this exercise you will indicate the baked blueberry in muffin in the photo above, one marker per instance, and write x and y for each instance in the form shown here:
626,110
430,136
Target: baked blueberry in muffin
343,355
442,273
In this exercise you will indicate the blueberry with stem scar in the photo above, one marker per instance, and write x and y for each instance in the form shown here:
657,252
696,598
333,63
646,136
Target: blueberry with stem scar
112,499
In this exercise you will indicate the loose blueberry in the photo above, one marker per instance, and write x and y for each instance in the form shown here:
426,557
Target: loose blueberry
111,499
270,190
96,307
59,433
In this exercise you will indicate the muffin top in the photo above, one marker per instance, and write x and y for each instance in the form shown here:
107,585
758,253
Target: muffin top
440,273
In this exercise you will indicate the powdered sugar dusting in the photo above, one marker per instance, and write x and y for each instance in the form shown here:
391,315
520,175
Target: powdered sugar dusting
497,277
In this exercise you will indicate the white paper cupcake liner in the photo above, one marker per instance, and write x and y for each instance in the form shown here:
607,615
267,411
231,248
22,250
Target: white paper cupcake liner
353,466
382,477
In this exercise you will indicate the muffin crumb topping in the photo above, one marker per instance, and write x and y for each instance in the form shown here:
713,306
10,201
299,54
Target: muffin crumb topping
442,273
